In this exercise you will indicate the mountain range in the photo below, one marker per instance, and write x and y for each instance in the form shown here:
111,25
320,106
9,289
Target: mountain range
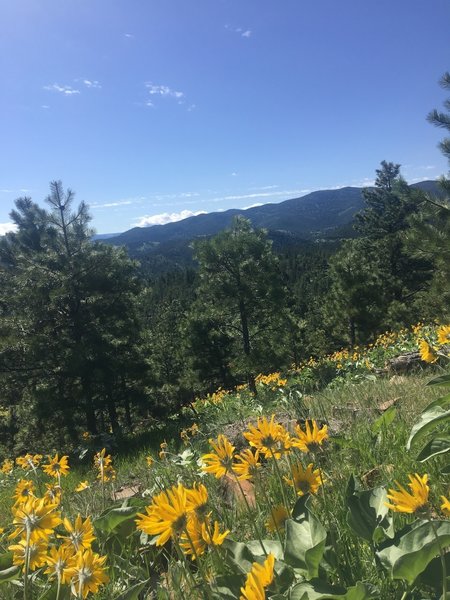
324,214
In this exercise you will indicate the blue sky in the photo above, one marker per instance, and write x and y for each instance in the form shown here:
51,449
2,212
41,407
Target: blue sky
148,108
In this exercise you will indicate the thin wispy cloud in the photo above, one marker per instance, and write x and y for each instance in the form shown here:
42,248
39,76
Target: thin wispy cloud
245,33
163,218
66,90
89,83
253,205
7,227
126,202
163,90
288,193
128,35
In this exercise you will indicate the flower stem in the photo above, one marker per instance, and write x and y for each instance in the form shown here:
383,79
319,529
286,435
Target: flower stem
442,555
27,565
255,529
277,469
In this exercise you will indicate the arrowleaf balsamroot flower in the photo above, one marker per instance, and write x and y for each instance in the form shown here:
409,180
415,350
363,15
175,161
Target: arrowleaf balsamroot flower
29,461
410,502
57,466
247,465
36,517
87,573
24,489
59,560
219,462
305,481
270,438
427,352
443,334
198,499
277,519
445,506
198,535
37,552
259,578
311,439
81,533
167,514
7,466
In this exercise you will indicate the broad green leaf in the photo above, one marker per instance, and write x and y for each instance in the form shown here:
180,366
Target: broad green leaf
52,593
227,587
305,544
10,574
271,546
432,576
384,420
367,512
439,445
428,420
411,552
132,593
443,402
111,519
301,507
6,560
239,554
442,380
320,590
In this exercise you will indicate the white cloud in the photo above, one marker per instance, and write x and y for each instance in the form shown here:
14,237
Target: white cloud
92,83
234,174
128,35
253,205
163,90
5,227
164,218
246,33
45,106
288,193
125,202
67,90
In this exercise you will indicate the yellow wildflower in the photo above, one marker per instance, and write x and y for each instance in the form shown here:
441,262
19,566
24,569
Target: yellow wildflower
443,334
80,534
59,561
218,463
37,553
24,489
7,466
305,481
445,506
247,465
427,352
270,438
277,519
259,578
36,517
57,467
88,573
83,485
167,514
406,502
29,461
311,439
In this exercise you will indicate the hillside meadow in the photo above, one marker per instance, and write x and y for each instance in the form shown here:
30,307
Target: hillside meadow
330,482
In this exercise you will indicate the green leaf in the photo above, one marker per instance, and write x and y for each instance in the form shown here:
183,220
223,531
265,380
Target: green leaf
52,593
384,420
428,420
414,548
301,507
6,560
10,574
108,521
367,512
320,590
133,593
272,547
305,544
436,446
432,576
443,401
442,380
239,554
227,587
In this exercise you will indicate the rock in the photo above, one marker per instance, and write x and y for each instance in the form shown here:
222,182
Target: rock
404,362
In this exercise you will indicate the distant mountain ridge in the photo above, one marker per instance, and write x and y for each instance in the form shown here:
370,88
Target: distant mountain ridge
320,214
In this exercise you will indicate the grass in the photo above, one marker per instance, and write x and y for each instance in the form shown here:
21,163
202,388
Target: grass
369,419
